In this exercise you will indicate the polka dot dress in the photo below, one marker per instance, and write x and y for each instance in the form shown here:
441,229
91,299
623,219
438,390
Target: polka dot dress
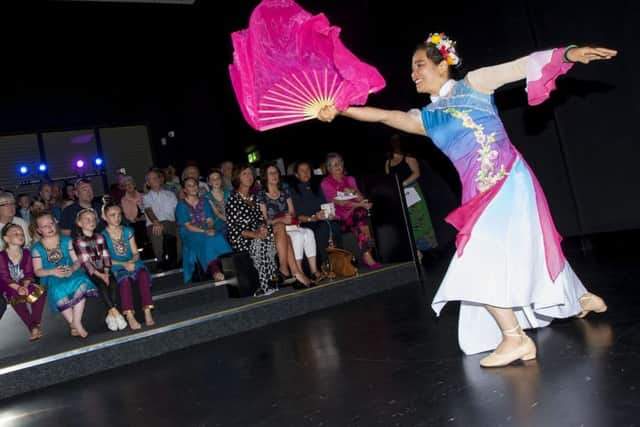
243,215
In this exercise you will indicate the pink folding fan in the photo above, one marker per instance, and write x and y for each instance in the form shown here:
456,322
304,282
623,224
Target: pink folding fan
289,64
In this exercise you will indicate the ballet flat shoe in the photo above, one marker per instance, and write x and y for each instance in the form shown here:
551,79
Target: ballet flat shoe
591,302
525,351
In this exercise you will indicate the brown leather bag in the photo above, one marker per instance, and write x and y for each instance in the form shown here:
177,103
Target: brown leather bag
342,263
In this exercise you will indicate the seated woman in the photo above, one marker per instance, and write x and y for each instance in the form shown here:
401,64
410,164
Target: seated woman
131,203
292,242
351,206
127,266
57,265
307,200
17,280
48,195
200,241
217,198
248,231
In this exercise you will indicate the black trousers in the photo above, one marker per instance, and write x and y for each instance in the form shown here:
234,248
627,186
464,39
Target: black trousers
3,306
108,294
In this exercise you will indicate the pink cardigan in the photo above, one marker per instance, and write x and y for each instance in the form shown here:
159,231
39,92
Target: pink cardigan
330,187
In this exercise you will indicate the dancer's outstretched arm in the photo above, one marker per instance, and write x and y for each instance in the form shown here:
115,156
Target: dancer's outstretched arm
488,79
405,121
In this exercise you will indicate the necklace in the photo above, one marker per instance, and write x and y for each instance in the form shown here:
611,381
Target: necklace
54,255
248,199
119,245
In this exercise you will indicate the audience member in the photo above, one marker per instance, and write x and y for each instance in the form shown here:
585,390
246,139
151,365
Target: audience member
200,241
159,207
248,231
127,266
23,207
8,215
93,254
117,189
55,262
48,193
217,198
226,168
407,169
55,203
37,205
85,200
308,198
171,182
17,280
69,196
131,203
192,171
351,206
292,242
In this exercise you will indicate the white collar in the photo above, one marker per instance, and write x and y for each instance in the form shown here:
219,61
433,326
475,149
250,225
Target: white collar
444,90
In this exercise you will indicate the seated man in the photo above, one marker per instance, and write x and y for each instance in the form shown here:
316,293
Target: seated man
85,200
159,206
8,214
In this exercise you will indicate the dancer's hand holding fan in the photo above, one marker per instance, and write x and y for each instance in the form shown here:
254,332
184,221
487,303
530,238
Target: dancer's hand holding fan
288,64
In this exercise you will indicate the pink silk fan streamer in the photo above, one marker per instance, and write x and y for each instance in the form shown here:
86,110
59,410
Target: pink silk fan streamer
288,64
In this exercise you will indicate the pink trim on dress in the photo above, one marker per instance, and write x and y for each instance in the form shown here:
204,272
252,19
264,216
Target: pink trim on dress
552,248
543,68
464,218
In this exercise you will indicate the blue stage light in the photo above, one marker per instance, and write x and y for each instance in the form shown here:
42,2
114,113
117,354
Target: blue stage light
23,170
98,162
42,167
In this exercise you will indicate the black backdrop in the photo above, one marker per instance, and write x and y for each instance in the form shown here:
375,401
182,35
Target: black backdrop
70,65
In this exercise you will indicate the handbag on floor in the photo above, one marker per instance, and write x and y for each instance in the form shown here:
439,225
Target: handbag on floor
342,263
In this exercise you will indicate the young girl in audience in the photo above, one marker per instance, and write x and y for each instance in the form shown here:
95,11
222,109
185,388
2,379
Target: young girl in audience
56,263
127,266
17,280
95,260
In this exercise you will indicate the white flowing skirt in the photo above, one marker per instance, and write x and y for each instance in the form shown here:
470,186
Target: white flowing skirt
504,265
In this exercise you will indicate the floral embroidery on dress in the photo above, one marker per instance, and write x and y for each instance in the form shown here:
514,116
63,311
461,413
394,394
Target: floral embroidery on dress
485,178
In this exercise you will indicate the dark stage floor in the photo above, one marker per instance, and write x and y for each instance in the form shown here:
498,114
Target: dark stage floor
381,360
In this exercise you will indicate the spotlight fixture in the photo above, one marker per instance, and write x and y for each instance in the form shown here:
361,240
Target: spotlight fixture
42,167
79,164
23,170
98,162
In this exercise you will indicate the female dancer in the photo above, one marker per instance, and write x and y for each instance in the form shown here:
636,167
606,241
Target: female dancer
506,273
